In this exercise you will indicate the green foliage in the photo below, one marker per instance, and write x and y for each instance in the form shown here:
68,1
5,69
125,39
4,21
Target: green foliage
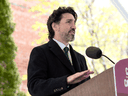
104,28
9,75
42,8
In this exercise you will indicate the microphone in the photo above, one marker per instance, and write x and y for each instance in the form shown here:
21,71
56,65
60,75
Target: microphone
95,53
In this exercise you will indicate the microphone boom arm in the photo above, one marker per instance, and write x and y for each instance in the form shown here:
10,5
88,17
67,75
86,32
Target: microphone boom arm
108,58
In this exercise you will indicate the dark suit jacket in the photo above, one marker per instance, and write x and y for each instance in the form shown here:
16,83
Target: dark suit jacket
49,68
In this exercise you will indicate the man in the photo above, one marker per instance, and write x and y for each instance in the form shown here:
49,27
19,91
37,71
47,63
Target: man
52,69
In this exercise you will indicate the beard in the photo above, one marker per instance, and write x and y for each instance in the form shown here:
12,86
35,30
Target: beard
69,36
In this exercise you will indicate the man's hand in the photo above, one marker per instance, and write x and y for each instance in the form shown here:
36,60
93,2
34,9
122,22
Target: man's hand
79,76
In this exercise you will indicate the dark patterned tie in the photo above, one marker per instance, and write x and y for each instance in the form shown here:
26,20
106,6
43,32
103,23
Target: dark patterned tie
66,49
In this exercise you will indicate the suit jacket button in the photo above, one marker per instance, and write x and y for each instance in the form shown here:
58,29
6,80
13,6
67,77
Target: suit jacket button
55,90
61,88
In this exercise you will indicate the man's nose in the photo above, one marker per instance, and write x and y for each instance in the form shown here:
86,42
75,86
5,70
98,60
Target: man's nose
74,26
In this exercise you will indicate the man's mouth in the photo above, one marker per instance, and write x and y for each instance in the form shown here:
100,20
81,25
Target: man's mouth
72,32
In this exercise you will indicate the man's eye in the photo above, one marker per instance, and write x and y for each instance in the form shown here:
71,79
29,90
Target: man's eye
68,21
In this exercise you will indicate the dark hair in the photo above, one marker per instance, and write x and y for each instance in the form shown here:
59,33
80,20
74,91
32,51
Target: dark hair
56,16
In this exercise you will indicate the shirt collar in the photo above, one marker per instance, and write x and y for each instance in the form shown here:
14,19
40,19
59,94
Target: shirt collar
62,46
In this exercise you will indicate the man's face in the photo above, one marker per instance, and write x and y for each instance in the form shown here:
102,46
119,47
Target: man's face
66,28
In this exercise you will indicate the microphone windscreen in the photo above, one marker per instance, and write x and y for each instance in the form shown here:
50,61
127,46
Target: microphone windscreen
93,52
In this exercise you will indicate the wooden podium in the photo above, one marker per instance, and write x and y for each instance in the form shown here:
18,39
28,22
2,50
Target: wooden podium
100,85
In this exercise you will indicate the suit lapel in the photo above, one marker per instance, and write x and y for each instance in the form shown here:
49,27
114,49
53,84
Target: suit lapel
74,60
54,47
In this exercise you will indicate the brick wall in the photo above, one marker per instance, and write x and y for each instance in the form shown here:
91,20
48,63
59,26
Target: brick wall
24,34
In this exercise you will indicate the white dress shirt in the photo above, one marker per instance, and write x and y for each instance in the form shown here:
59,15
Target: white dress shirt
62,46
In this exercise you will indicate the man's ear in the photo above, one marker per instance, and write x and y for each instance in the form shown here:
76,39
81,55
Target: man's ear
54,26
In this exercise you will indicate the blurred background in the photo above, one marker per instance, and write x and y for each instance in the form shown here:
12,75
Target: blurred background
99,24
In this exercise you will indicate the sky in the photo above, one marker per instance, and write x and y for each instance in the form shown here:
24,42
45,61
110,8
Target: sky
121,5
105,3
102,3
124,3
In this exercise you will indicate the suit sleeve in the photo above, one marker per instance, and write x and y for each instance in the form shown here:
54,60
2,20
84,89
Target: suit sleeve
39,84
84,67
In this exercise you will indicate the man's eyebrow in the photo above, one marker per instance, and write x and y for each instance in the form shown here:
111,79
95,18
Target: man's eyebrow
70,20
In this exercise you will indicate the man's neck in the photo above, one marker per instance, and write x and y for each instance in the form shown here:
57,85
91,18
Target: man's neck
65,43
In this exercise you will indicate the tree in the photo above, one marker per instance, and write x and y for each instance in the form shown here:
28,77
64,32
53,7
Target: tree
9,75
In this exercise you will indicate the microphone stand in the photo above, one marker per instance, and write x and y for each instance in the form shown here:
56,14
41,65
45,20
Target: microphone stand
108,58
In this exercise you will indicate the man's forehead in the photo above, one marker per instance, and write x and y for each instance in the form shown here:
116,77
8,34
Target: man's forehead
68,16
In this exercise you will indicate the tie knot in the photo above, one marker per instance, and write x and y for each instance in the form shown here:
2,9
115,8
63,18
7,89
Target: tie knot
66,49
